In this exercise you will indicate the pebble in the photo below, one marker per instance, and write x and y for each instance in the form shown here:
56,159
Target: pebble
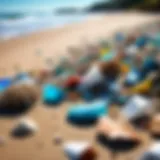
25,127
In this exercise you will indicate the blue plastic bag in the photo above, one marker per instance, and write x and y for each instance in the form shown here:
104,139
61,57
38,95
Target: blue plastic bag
86,113
52,94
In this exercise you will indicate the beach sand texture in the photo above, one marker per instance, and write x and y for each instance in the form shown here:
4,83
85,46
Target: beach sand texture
22,53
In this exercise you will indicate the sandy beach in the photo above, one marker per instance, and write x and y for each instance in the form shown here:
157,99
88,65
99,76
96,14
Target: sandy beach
53,43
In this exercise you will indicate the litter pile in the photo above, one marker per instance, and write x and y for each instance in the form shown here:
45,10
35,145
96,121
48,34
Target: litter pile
123,71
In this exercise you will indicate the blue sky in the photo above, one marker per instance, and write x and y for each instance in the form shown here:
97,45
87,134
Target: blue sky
41,4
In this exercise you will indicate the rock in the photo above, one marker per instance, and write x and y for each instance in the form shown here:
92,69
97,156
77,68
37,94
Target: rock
52,94
25,127
79,151
18,99
87,113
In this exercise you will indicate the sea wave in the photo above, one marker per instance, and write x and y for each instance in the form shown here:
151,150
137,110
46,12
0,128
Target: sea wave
28,23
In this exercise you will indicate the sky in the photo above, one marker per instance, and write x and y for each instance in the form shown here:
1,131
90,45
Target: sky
11,5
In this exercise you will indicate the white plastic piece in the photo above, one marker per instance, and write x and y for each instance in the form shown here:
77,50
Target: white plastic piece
136,107
74,150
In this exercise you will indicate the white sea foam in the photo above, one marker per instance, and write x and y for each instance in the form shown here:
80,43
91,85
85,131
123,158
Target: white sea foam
13,27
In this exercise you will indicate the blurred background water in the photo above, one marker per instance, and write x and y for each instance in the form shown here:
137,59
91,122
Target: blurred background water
16,24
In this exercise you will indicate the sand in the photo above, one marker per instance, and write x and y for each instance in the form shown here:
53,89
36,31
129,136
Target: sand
23,53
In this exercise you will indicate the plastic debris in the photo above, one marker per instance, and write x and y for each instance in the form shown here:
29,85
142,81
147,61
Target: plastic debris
79,150
52,94
137,106
87,113
5,83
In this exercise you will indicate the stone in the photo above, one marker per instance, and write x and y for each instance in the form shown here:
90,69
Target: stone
24,127
18,99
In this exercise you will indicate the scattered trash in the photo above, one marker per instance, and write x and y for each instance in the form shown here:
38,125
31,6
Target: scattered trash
123,71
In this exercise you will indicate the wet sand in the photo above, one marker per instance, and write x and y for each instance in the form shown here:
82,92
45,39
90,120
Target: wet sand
53,44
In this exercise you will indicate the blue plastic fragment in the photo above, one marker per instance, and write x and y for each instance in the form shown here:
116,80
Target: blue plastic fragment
87,112
142,41
133,77
5,83
52,94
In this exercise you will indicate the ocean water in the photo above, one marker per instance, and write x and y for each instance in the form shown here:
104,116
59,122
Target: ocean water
14,24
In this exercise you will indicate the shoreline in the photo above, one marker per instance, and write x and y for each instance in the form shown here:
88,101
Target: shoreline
53,43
